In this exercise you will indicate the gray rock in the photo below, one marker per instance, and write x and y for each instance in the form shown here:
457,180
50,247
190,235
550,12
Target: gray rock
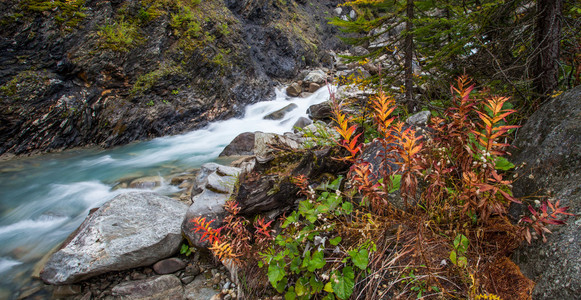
294,89
243,144
263,143
302,122
338,10
197,290
419,119
159,287
216,183
146,183
316,76
550,145
168,266
359,51
352,14
129,231
279,114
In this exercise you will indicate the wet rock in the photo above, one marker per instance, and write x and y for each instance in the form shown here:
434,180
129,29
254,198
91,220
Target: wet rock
158,287
313,87
549,144
279,114
243,144
302,122
264,142
305,95
168,266
321,111
146,183
126,232
294,89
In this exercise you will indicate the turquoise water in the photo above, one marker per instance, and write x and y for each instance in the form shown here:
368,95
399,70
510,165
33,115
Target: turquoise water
44,198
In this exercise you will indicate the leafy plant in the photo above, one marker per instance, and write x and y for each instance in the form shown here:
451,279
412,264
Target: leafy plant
458,255
548,214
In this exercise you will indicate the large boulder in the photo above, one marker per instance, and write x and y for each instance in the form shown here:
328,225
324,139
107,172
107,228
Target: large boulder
129,231
316,76
321,111
243,144
216,183
264,144
549,145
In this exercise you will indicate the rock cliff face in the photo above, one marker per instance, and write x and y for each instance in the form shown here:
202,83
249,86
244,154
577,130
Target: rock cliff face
76,73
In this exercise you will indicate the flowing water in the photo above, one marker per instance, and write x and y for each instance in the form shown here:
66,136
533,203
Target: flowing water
44,198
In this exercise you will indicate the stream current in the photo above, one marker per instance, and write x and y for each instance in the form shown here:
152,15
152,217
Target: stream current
45,198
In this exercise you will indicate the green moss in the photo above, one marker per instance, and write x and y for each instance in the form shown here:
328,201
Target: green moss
67,13
147,81
24,81
121,36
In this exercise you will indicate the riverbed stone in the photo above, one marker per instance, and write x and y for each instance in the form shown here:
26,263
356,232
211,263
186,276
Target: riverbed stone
302,122
131,230
159,287
243,144
146,183
168,266
294,89
279,114
321,111
316,76
198,290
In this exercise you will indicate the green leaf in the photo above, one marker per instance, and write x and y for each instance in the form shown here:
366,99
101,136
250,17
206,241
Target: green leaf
347,207
335,241
300,289
281,285
462,261
316,285
344,283
275,273
328,287
461,243
395,183
293,217
317,262
501,163
453,257
184,249
329,297
290,295
360,258
295,265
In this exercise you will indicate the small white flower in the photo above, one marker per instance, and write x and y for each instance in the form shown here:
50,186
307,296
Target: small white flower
324,276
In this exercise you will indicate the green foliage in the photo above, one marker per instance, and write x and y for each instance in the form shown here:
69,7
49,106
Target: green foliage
458,255
121,36
322,136
299,261
186,249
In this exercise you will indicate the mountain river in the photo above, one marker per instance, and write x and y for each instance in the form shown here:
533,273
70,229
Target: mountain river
44,198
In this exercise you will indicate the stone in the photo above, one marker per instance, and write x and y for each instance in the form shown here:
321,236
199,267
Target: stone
294,89
419,119
131,230
321,111
359,51
352,15
338,10
316,76
168,266
216,183
302,122
146,183
305,95
197,290
187,279
313,87
159,287
61,291
279,114
549,144
243,144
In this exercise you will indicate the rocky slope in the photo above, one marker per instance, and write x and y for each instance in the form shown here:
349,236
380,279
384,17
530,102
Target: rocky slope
89,72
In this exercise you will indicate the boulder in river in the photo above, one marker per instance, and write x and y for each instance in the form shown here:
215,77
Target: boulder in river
294,89
129,231
279,114
321,111
243,144
549,145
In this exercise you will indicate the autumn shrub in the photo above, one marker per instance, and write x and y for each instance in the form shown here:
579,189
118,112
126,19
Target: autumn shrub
349,239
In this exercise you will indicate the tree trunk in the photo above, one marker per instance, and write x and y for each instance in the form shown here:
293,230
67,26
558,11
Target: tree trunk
409,55
547,39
